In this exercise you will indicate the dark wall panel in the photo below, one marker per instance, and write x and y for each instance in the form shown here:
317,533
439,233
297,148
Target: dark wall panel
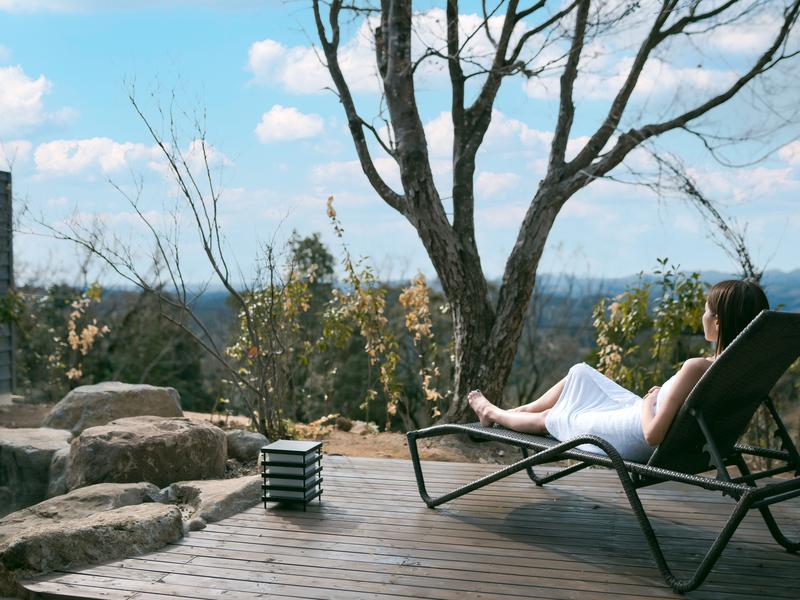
6,282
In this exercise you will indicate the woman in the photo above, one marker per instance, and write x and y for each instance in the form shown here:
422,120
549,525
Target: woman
587,402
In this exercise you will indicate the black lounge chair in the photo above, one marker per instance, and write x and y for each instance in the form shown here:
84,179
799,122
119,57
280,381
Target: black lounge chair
703,437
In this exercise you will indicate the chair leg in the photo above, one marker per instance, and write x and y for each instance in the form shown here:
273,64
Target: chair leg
531,473
525,463
776,532
540,481
766,513
712,554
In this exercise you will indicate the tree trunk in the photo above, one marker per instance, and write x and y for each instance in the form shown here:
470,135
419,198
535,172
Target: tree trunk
486,339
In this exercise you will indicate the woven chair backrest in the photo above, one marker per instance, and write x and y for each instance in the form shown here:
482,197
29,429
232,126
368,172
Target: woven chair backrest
730,391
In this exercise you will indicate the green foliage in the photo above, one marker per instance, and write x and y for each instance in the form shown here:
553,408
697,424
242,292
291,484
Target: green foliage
56,330
422,399
359,307
66,338
144,346
310,257
268,347
646,332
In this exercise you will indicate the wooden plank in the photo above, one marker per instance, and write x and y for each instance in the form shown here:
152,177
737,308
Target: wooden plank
443,579
66,591
360,583
477,557
464,529
545,513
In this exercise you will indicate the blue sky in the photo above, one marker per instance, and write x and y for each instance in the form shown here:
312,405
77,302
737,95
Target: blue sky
280,147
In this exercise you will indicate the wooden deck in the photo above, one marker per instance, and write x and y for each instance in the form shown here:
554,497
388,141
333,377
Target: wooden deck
372,537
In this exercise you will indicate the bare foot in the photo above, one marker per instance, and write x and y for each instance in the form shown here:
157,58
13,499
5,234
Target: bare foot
481,406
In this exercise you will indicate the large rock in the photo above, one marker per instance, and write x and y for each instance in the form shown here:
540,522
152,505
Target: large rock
245,446
152,449
25,459
212,500
90,525
90,405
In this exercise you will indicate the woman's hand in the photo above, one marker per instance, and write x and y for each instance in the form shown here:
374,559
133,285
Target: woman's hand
653,392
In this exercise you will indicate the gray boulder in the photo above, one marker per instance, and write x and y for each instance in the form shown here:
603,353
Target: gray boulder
245,446
90,525
213,500
90,405
25,459
147,448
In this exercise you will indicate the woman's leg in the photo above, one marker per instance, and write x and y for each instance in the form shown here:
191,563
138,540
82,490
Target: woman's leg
544,402
524,422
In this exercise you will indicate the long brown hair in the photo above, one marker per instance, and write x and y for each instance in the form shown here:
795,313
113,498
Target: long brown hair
735,303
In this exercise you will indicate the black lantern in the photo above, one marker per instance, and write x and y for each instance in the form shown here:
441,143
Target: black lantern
291,472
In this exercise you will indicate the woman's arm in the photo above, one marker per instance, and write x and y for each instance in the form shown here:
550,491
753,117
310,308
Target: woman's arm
654,426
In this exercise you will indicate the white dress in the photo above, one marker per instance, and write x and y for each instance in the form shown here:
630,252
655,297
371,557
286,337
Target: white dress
593,404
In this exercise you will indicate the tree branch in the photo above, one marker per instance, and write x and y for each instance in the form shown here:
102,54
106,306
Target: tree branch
354,121
538,29
566,111
629,140
600,138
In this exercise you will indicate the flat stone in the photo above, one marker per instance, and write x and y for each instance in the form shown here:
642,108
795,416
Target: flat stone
147,448
213,500
91,405
25,458
79,504
90,525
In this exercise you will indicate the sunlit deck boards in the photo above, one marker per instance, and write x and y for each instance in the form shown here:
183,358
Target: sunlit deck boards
372,537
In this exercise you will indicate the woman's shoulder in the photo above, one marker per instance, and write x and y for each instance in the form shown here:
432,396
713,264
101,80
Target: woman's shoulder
697,366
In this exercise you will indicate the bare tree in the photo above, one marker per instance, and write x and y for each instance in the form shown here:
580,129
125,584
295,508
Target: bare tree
486,333
258,301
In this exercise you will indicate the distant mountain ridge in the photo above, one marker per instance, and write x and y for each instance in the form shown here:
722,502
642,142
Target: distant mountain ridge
782,287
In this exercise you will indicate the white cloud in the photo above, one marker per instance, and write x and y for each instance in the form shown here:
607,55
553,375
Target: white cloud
57,202
748,36
439,135
14,152
196,155
350,171
503,130
790,153
128,219
282,124
576,208
505,216
658,79
69,157
73,6
299,69
504,133
491,184
200,152
21,103
744,185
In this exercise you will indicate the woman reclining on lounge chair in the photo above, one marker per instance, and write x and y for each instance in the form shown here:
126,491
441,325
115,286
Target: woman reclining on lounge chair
588,402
